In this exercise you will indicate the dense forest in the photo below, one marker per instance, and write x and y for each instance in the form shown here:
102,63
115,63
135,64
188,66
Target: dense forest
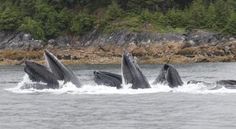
46,19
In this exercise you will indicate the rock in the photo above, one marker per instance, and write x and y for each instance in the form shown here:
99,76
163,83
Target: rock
140,51
52,42
122,38
198,37
24,41
63,41
27,37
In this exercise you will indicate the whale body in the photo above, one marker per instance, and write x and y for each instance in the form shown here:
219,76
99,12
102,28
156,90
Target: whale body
169,75
132,73
50,74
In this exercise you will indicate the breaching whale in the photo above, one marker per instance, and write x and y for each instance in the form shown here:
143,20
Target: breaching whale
132,73
51,74
108,79
170,76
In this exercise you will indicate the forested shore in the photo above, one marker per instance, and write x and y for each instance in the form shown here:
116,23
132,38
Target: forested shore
47,19
157,31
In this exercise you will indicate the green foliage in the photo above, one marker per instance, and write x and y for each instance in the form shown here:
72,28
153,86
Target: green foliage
113,12
31,26
222,14
146,16
197,11
82,23
10,19
64,20
46,19
211,17
27,7
174,18
231,25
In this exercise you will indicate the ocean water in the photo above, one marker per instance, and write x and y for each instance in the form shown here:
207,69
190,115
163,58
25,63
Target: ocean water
100,107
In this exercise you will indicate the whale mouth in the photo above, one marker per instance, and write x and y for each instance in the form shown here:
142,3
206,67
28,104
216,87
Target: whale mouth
40,73
54,72
169,75
97,75
132,73
54,65
60,70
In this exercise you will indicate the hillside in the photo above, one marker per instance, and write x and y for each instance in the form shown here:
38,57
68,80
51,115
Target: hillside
48,19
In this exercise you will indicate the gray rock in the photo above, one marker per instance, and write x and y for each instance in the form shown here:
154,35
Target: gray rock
27,37
63,41
198,37
19,40
14,40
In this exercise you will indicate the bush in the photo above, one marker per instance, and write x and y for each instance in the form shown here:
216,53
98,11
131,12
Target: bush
113,12
33,27
10,19
222,14
82,23
197,14
48,17
175,18
146,16
211,17
64,20
231,25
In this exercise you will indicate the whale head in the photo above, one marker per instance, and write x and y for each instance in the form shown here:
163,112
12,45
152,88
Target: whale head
60,70
40,73
169,75
132,73
108,79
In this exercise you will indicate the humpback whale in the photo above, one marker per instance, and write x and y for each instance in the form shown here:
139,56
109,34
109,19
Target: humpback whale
40,73
228,84
51,74
108,79
132,73
60,70
169,75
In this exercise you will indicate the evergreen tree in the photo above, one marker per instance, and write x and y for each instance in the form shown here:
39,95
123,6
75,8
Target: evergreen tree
10,19
222,14
197,14
33,27
82,23
211,17
48,17
231,25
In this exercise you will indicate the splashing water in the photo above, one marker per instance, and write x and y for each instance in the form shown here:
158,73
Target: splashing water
70,88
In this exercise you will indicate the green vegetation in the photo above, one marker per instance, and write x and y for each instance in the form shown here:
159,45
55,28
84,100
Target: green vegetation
46,19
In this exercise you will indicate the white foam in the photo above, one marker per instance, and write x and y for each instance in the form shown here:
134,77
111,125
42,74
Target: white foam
69,88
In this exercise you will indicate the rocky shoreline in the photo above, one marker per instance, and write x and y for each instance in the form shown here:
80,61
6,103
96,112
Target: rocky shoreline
94,48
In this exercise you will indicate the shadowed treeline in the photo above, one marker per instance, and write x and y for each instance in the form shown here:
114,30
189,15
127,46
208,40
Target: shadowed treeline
47,19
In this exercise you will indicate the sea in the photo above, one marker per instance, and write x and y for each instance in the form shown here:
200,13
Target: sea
191,106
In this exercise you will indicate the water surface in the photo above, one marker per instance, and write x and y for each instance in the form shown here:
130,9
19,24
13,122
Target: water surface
103,107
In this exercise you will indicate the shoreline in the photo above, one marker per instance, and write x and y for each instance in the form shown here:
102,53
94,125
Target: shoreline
173,52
